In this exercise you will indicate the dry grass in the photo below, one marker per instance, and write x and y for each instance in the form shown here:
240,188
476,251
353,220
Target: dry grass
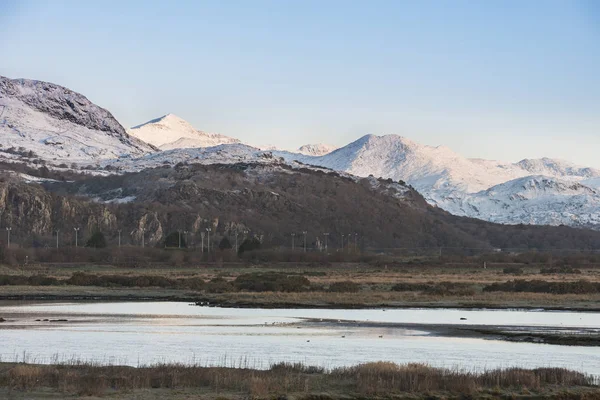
375,285
382,379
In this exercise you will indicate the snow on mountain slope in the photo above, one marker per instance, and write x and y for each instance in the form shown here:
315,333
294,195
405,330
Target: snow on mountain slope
531,200
40,120
222,154
552,167
171,132
544,191
318,149
424,167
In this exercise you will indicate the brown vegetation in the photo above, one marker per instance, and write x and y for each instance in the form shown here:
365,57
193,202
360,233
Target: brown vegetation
539,286
381,379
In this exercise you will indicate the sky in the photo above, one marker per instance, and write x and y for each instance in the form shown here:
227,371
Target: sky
493,79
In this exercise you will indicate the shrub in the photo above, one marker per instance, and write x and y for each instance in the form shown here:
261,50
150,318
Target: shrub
172,240
410,287
219,285
439,289
249,245
97,240
344,287
538,286
225,244
513,271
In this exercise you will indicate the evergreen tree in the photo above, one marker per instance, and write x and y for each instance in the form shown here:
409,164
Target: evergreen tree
97,240
249,245
172,240
225,244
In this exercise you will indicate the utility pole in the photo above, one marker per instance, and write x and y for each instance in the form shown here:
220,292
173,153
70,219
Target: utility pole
326,236
208,239
179,232
57,231
119,237
202,236
293,244
355,242
8,237
348,246
343,242
304,233
76,236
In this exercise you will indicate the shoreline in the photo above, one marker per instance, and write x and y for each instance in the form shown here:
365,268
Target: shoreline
203,300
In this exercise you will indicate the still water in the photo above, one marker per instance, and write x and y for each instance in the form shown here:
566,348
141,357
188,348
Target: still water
150,332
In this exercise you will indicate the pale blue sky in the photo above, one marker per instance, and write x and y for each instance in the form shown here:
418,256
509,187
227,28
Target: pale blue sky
492,79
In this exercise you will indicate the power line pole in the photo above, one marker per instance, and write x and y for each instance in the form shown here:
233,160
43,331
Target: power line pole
343,242
208,239
57,231
202,236
119,237
179,232
355,242
304,233
76,236
8,237
326,236
348,246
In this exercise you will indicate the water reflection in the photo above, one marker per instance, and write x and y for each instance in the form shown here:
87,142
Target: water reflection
141,333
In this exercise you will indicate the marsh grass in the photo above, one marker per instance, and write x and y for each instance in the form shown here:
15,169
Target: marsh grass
382,379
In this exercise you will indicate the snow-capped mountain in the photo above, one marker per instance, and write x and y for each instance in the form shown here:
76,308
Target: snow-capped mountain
171,132
41,120
318,149
536,199
532,191
425,167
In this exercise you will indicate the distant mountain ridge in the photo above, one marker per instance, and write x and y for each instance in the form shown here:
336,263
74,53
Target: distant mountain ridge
44,123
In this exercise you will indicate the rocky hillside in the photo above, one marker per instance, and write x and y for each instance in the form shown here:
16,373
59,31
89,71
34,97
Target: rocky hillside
44,122
270,201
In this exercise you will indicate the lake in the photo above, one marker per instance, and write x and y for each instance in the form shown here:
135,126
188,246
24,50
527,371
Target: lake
137,333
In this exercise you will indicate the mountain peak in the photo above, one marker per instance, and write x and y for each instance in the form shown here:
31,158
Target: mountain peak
317,149
166,119
58,124
171,132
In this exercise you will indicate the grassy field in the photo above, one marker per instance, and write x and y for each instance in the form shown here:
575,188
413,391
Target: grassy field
372,286
380,380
